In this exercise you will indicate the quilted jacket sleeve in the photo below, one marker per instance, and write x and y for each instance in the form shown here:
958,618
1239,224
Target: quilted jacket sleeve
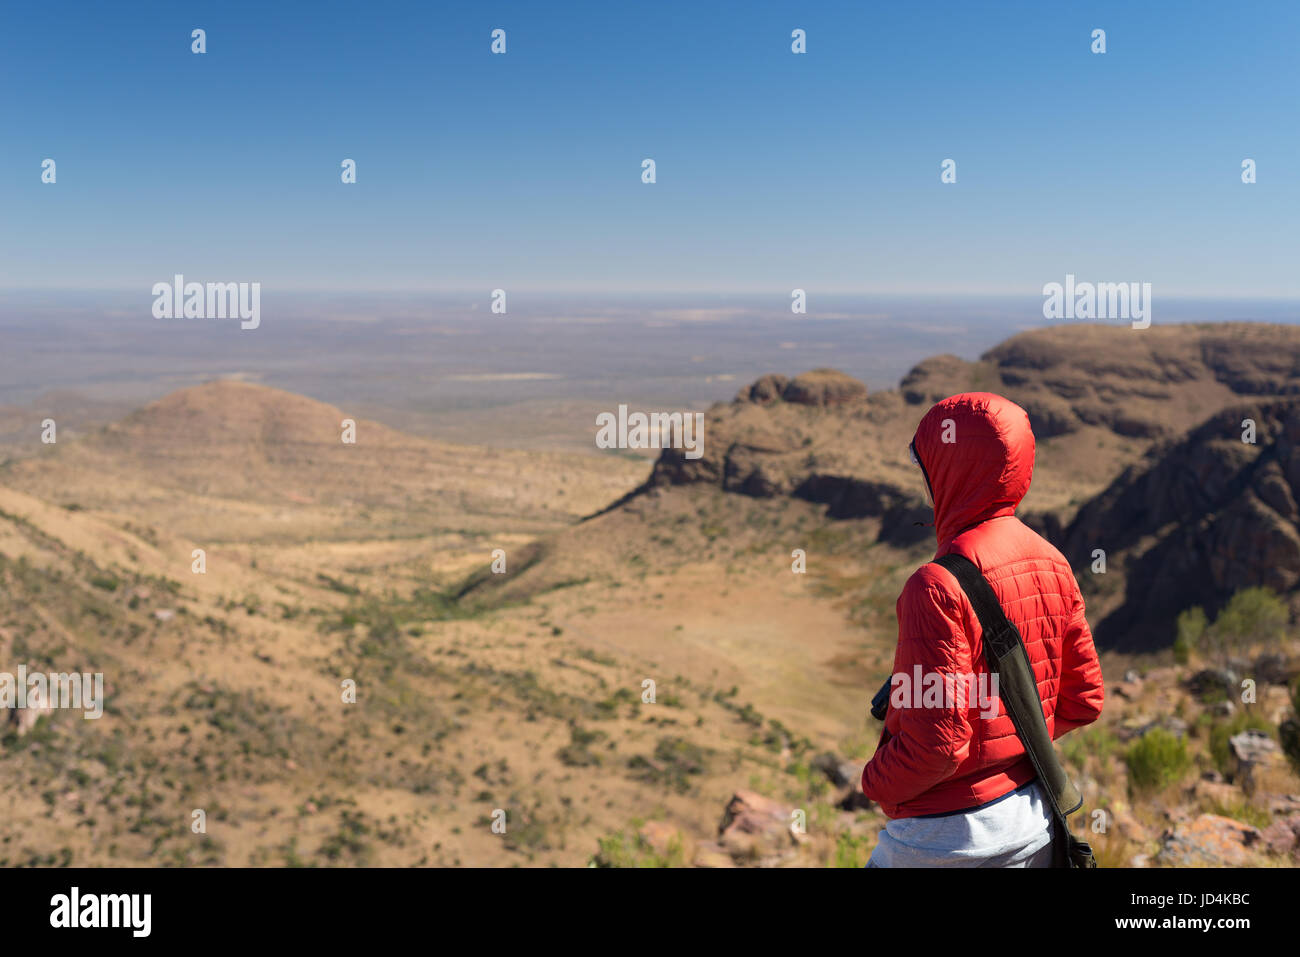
927,743
1079,700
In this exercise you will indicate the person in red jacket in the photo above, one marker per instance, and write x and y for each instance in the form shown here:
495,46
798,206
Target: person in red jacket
953,776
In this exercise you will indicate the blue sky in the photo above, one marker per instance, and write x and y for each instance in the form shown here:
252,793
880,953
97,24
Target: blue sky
775,170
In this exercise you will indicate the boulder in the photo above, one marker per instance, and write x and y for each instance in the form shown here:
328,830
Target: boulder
1283,837
1250,751
1210,840
758,830
1282,805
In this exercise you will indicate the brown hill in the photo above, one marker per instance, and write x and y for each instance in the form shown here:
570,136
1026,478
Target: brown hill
219,455
223,687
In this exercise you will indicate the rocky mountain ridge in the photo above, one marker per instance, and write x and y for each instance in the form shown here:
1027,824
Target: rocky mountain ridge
1139,453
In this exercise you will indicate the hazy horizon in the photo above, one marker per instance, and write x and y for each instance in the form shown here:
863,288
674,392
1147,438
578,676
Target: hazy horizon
453,353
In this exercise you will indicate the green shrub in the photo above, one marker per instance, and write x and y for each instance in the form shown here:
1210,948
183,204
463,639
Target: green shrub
1191,628
1253,616
675,761
851,851
1156,759
623,850
577,753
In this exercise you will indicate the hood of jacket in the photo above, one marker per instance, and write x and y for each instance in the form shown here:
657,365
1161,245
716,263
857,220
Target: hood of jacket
977,452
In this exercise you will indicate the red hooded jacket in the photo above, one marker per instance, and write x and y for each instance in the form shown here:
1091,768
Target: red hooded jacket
977,452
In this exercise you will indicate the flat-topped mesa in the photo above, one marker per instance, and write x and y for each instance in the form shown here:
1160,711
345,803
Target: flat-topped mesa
821,387
1100,395
810,437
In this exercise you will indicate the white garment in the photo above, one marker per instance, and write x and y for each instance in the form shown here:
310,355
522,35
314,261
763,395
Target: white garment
1014,830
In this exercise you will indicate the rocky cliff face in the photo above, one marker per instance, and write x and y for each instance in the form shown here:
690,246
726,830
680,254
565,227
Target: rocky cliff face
818,437
1152,383
1200,519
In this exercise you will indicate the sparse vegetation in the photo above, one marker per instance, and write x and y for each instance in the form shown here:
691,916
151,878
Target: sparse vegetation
1190,629
1156,760
622,849
674,762
1253,617
475,693
577,753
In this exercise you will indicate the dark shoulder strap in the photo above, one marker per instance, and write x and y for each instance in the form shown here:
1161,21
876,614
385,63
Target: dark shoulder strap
1004,652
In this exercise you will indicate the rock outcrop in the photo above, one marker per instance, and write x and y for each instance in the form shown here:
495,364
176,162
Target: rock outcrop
820,387
1211,840
758,831
1252,751
1199,520
819,436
